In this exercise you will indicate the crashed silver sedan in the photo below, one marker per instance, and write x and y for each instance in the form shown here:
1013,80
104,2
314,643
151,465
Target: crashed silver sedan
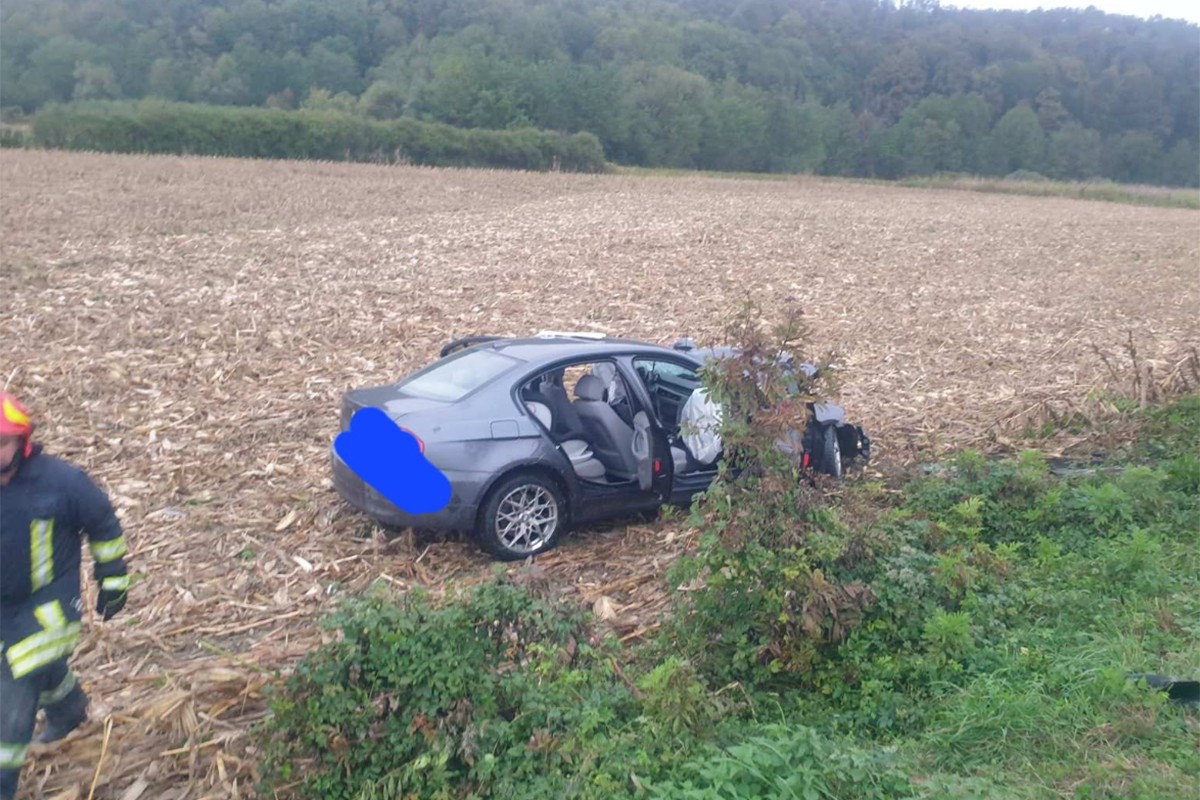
539,434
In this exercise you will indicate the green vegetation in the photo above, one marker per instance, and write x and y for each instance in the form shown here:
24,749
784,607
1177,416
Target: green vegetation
14,136
1028,184
151,126
852,88
968,637
1106,191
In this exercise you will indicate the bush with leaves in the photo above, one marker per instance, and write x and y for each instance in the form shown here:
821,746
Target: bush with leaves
769,603
506,691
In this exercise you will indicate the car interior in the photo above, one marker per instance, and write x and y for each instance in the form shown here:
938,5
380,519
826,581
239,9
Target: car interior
670,386
595,429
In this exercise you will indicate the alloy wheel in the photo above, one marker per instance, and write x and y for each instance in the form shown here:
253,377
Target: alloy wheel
526,518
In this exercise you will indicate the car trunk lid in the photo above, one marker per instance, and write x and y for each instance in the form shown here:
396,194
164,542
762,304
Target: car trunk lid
386,398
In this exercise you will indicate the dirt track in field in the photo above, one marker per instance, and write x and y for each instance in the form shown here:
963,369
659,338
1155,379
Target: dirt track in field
184,327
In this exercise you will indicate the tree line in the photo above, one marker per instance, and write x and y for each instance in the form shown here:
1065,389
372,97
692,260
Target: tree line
862,88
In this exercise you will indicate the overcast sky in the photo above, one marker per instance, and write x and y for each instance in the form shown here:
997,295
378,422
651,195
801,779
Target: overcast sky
1172,9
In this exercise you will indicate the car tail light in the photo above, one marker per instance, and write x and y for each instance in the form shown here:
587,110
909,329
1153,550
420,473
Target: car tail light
657,466
420,444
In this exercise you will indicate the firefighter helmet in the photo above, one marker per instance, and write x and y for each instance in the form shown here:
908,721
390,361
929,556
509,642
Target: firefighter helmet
16,421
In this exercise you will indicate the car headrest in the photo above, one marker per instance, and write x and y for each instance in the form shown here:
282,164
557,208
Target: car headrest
590,387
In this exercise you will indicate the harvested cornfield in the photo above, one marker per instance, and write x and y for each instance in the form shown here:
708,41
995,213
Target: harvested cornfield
183,329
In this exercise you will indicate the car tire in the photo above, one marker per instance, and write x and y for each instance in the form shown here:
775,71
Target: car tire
533,495
831,453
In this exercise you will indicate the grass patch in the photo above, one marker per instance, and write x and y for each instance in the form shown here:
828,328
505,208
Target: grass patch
1098,190
681,172
1102,190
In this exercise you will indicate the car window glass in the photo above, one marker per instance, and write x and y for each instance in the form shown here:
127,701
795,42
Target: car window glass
652,371
669,385
458,376
615,389
571,376
568,377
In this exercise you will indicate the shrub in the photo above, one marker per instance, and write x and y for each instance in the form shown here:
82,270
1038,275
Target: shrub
12,136
770,605
503,691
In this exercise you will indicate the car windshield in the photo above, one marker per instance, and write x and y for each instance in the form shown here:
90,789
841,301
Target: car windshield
457,376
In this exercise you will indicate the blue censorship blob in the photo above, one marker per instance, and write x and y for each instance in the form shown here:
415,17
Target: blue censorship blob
391,463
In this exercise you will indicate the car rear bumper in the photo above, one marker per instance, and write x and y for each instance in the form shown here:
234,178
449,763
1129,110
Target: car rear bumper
456,516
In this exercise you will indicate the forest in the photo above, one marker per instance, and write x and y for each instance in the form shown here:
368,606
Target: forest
856,88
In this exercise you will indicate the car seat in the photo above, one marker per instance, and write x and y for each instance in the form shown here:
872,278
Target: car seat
614,390
611,438
582,459
567,424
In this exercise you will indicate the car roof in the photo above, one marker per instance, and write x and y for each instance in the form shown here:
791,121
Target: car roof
547,348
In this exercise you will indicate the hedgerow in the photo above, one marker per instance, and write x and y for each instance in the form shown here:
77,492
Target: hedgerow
162,127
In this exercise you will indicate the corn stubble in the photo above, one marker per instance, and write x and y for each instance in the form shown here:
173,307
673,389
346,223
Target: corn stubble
184,327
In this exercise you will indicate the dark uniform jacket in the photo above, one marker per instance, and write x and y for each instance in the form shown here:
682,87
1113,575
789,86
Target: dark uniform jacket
44,510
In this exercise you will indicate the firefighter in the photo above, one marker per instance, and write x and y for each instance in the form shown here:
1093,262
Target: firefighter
45,505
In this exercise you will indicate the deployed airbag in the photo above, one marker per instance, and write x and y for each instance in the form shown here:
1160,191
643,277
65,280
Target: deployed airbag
700,425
